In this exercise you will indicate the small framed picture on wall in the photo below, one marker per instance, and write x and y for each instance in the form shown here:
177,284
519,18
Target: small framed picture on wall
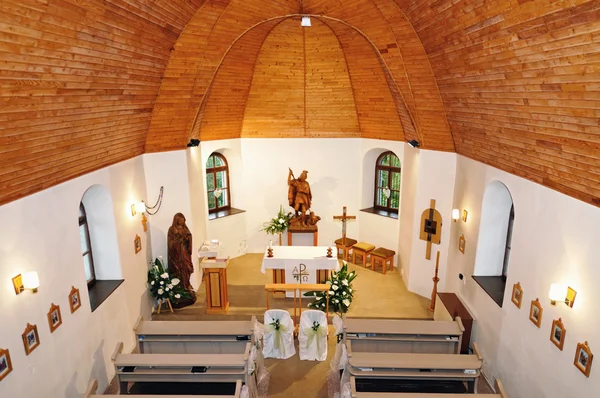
583,358
517,295
74,299
535,312
137,244
31,338
461,244
54,317
5,363
557,334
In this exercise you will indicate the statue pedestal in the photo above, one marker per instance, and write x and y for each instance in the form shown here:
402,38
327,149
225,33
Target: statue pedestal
312,229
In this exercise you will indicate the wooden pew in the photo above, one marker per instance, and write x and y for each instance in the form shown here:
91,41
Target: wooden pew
500,393
174,368
193,337
403,335
412,366
91,392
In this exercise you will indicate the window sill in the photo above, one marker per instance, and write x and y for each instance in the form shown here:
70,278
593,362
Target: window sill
100,291
494,286
225,213
383,213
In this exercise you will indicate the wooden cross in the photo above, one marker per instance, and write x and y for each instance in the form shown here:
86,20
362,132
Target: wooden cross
344,217
431,227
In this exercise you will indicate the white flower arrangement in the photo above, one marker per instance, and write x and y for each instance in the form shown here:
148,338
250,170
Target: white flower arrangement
279,224
340,293
161,285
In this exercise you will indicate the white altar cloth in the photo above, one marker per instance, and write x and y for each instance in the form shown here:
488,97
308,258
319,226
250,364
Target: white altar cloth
287,257
306,259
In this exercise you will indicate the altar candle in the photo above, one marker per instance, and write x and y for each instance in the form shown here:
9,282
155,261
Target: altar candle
270,244
330,243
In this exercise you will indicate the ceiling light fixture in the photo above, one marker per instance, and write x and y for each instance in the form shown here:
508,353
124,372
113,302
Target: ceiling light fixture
305,21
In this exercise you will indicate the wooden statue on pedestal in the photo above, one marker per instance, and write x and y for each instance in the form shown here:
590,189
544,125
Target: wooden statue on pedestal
300,198
179,243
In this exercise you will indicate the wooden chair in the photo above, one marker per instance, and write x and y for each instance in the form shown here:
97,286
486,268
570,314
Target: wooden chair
384,256
345,248
362,250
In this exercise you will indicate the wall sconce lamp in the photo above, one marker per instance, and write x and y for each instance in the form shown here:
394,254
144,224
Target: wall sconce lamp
141,207
27,281
563,293
305,21
455,214
414,143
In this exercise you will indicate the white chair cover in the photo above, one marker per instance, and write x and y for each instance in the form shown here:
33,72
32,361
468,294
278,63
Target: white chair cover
345,387
278,343
341,355
258,375
312,336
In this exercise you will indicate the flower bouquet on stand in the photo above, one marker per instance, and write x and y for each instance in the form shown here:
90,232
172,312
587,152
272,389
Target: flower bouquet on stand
162,287
341,292
278,225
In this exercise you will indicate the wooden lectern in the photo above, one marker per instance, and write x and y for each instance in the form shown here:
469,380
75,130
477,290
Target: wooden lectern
215,280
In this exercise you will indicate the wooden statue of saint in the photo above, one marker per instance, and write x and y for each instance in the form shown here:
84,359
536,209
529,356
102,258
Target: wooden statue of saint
179,243
300,198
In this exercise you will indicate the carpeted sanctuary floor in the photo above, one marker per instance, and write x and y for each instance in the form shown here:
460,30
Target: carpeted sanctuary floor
377,296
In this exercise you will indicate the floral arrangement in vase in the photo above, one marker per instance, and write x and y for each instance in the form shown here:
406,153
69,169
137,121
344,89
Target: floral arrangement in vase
341,292
161,285
279,224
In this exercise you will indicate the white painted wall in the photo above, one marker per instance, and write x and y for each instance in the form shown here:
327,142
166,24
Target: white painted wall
436,179
258,175
41,233
554,241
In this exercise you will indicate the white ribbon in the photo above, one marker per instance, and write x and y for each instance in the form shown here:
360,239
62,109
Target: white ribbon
278,342
316,334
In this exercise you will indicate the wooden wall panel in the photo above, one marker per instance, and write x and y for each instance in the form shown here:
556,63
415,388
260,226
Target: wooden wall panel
329,100
385,25
78,80
275,106
301,86
520,82
222,113
374,102
194,62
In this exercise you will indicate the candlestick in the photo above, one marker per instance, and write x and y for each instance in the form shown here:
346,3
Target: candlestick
269,252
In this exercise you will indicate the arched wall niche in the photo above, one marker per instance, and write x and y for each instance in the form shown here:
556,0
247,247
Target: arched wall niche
493,230
103,232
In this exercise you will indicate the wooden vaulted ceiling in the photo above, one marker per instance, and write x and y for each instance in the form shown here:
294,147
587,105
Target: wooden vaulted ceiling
513,83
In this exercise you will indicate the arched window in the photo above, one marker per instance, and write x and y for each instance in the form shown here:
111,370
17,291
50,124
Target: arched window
86,247
217,183
387,182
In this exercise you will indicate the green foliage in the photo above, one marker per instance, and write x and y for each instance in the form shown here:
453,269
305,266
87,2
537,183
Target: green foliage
341,292
279,224
161,285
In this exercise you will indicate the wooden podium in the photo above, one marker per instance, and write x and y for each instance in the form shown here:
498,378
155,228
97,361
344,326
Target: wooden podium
215,280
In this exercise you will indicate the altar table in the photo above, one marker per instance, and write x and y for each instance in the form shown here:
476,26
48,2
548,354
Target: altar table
300,263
